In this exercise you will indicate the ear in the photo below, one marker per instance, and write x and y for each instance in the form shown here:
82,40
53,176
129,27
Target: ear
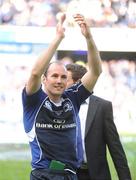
43,78
78,80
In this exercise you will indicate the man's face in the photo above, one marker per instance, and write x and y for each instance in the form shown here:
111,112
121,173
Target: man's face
56,80
70,81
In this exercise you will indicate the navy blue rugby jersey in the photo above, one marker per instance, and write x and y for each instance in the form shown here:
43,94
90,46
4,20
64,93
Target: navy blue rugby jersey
53,130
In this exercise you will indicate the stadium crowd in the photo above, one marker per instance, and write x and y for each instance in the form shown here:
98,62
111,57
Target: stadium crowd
100,13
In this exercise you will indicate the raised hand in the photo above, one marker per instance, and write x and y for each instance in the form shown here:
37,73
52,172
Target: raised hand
60,29
83,25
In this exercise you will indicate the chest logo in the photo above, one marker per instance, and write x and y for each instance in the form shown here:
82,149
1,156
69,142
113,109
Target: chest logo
67,107
48,105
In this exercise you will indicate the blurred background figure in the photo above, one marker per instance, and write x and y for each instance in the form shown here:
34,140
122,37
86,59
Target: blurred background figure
98,132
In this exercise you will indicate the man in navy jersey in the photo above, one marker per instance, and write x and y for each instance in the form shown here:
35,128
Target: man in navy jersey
50,114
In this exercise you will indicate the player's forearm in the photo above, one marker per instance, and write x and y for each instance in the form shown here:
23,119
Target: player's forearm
46,56
94,59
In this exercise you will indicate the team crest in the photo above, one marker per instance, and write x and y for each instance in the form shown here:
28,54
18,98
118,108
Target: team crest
48,105
67,107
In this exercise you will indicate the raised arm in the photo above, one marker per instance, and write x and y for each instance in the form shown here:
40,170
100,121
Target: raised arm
93,56
34,81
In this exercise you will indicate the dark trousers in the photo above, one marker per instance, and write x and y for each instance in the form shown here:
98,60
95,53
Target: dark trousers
49,174
83,174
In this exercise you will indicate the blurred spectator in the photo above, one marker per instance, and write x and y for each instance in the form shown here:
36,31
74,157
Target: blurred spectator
100,13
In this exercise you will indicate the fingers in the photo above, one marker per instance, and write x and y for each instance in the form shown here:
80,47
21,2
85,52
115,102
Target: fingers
59,28
62,18
79,19
78,16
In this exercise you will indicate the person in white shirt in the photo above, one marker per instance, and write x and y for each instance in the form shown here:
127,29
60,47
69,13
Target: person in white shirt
98,132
